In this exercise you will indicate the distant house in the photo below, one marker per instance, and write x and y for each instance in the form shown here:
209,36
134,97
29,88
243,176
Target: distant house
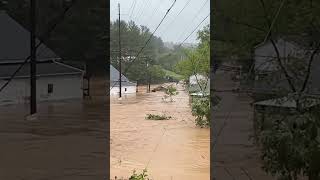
196,80
268,75
127,87
55,80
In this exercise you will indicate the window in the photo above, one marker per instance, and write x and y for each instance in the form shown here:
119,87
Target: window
125,89
50,88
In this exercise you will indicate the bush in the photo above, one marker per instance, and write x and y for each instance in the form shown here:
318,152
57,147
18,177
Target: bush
290,146
171,91
142,176
201,109
157,117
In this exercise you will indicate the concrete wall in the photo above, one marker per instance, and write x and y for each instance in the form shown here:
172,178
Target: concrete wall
125,90
64,87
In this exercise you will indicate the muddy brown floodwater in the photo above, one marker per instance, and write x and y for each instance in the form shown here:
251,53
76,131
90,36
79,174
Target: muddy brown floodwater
170,149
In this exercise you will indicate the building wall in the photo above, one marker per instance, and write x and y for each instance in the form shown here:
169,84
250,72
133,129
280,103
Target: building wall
64,87
125,90
193,79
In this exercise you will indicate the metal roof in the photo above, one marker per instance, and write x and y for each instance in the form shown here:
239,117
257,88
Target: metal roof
114,78
114,75
43,69
286,102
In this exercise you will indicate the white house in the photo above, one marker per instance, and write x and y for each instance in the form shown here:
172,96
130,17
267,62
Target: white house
266,65
127,87
55,80
195,81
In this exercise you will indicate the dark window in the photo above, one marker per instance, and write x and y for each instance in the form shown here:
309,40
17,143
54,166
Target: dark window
50,88
125,89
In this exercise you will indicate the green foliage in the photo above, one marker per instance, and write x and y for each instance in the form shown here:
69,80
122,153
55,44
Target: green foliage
201,110
157,117
170,91
197,62
133,38
204,35
291,146
157,74
142,176
172,75
170,59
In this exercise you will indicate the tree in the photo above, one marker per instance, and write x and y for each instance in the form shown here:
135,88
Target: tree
197,62
133,38
287,145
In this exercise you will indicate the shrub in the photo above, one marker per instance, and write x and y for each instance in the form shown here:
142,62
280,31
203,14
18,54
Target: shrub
142,176
157,117
201,110
171,91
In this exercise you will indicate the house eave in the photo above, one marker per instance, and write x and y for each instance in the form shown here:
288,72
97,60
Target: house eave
44,75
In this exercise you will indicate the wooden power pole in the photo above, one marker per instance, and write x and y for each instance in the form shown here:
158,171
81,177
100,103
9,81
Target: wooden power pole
120,87
33,59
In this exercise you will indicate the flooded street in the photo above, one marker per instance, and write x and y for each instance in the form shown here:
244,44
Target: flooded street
169,149
68,141
235,155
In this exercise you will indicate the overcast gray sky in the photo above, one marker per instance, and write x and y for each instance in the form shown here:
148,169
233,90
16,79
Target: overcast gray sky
175,28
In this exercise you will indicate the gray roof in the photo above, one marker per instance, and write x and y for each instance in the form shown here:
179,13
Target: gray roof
43,69
114,78
15,42
288,102
114,75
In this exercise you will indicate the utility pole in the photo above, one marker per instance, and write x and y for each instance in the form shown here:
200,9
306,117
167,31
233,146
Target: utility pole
120,87
149,76
33,60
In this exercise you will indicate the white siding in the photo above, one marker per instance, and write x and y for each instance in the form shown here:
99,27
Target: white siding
193,79
125,90
64,87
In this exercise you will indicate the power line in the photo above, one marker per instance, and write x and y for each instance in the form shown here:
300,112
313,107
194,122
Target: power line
194,30
139,11
176,17
155,10
144,7
38,45
134,5
137,56
273,21
197,14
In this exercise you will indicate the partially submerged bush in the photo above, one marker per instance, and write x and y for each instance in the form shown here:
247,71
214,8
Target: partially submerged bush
201,110
142,176
158,117
171,91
